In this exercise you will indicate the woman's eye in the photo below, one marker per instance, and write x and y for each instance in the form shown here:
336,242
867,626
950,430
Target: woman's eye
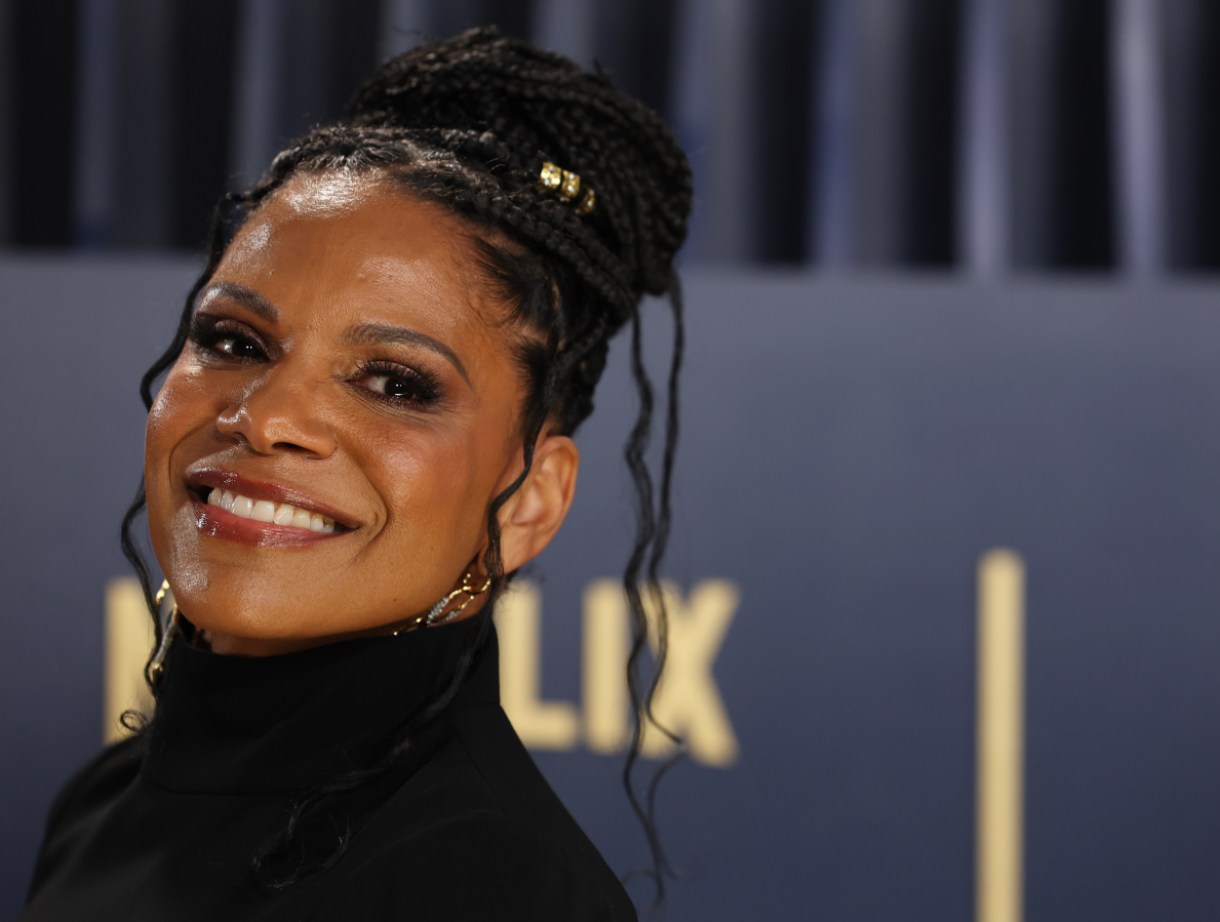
220,338
400,385
392,387
237,346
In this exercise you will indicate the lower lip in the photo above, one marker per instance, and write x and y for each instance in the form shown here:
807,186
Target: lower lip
217,523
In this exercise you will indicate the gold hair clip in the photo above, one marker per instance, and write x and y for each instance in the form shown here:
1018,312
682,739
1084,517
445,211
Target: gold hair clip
566,185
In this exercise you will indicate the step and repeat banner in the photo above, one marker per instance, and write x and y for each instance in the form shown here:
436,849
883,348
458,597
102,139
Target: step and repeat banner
945,590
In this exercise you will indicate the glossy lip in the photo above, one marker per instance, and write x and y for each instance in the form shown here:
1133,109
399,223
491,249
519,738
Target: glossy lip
219,523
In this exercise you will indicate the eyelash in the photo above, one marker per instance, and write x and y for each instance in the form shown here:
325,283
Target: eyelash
422,390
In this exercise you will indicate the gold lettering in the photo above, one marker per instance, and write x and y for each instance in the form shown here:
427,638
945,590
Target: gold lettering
688,701
540,724
604,672
129,638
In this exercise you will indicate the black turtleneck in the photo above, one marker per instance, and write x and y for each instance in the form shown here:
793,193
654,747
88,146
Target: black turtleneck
166,826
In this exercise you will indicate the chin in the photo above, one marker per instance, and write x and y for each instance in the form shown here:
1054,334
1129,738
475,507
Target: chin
267,626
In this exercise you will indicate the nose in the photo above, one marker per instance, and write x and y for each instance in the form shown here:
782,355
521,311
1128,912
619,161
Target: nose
280,412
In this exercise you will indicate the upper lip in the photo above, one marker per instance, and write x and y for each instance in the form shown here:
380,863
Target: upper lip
221,478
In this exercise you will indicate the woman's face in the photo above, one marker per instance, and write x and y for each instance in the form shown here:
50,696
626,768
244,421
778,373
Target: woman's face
321,457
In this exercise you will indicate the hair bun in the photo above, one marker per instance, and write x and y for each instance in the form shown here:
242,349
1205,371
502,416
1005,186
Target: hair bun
542,107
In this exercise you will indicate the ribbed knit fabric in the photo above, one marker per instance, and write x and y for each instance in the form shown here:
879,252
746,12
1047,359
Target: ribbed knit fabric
166,826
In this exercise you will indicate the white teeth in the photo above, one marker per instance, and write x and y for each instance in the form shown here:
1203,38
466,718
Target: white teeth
321,523
266,511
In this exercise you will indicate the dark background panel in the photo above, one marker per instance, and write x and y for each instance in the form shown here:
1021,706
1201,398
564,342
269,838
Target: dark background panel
851,449
122,121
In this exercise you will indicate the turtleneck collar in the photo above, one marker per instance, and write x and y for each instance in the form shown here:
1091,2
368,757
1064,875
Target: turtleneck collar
252,725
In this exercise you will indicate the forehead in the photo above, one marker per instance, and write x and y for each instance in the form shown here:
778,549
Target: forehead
343,247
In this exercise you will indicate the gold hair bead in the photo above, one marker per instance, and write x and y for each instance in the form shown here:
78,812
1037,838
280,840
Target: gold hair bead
551,177
567,185
570,187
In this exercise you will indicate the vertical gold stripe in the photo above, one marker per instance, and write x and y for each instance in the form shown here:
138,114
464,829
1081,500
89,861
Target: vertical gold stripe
129,638
604,680
540,724
1000,731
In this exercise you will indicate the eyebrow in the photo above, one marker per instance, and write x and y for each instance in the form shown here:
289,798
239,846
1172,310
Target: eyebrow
365,334
372,333
246,297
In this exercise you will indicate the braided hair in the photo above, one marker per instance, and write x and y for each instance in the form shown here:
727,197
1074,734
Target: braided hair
468,123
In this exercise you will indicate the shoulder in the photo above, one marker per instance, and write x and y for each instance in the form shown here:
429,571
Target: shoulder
478,866
98,779
89,790
476,834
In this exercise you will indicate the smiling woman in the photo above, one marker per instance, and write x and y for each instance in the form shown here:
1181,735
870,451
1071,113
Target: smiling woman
363,431
318,380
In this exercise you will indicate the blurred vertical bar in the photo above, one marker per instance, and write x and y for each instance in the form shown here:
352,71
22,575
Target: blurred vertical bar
256,89
453,16
201,115
715,125
351,46
929,151
831,242
633,43
328,50
44,124
566,26
784,86
7,120
404,23
141,194
305,39
1204,188
1032,98
985,220
97,117
1139,134
1192,30
1082,233
880,56
865,133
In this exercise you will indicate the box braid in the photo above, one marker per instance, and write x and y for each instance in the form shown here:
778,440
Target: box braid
467,123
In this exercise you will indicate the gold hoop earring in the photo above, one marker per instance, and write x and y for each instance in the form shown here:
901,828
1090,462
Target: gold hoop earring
437,615
169,628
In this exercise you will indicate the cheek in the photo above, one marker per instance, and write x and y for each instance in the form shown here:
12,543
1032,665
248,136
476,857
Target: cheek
167,412
180,408
440,488
159,436
424,484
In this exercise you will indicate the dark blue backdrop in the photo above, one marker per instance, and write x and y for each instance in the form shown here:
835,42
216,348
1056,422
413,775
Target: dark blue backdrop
850,451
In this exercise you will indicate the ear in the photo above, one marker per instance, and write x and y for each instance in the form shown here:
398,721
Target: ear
533,514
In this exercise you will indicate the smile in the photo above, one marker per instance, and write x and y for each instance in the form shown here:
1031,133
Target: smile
262,510
233,507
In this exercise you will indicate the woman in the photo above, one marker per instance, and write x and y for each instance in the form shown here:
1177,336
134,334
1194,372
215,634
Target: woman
364,431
